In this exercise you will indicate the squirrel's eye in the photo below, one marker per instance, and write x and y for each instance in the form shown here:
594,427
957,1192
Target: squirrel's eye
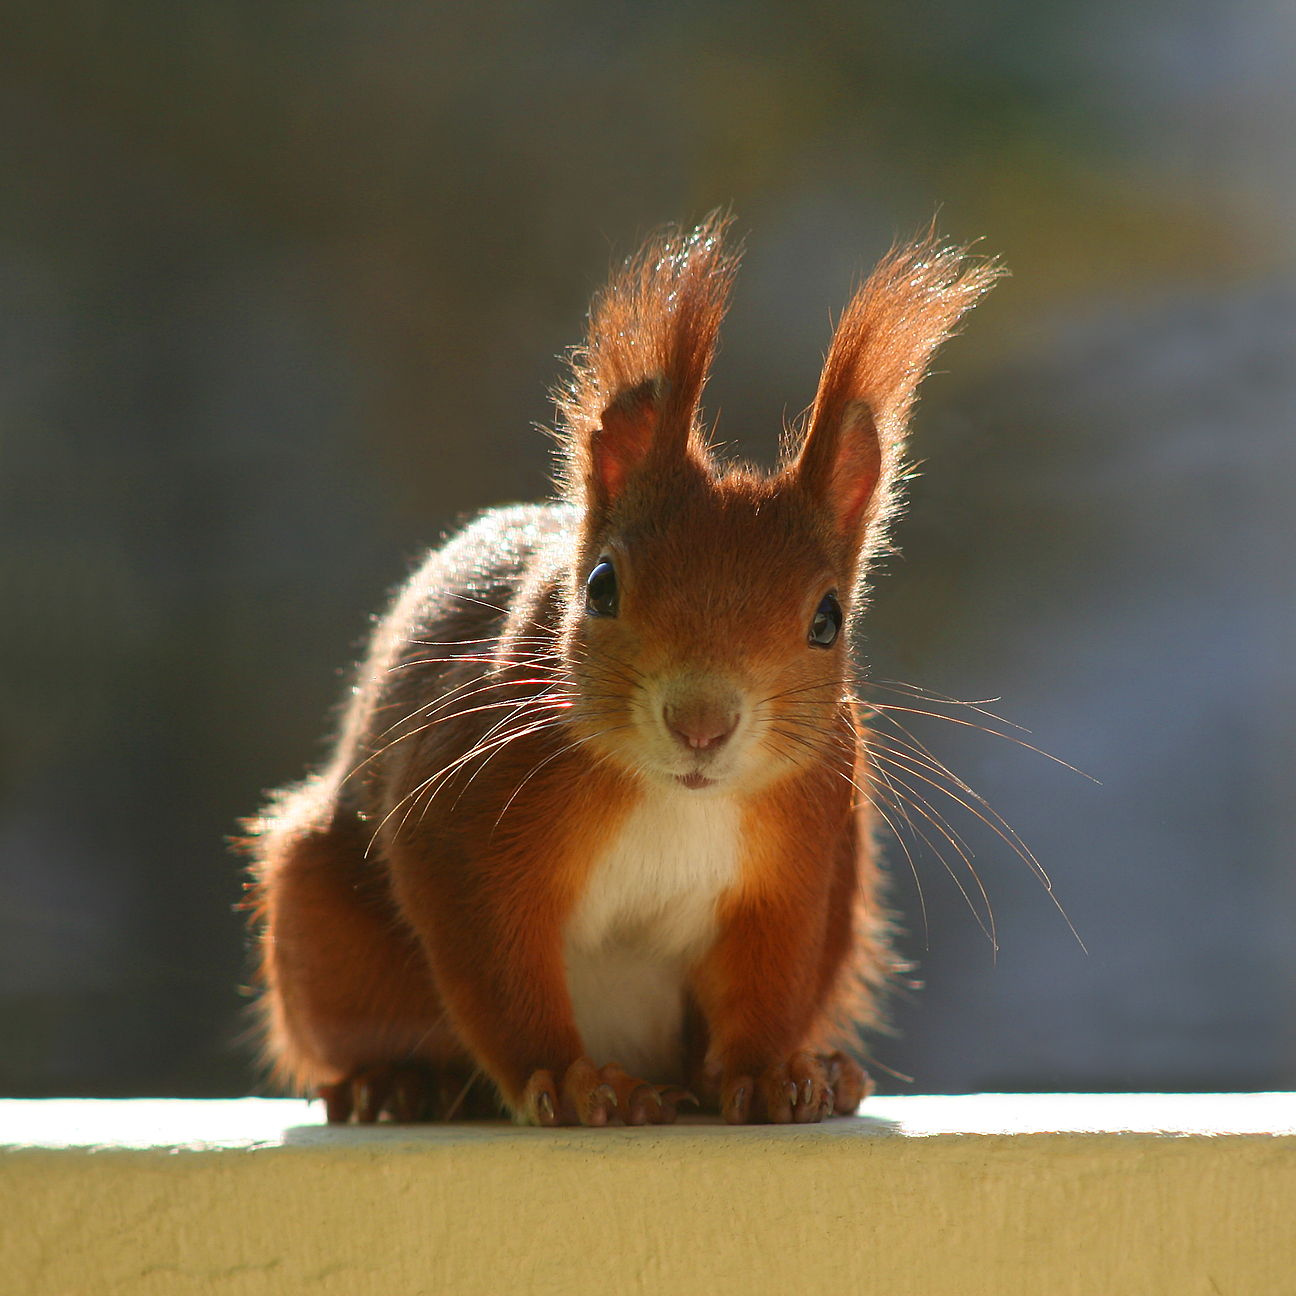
827,622
601,590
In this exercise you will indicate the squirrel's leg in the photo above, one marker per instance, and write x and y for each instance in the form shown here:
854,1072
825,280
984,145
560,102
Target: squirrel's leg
349,1006
767,980
492,932
758,991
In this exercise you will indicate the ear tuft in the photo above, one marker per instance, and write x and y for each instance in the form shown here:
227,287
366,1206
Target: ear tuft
909,305
636,383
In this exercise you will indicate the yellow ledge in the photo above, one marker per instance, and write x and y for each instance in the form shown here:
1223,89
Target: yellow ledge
1042,1195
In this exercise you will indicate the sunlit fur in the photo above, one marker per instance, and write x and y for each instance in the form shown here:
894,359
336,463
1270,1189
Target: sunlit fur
880,351
521,839
658,320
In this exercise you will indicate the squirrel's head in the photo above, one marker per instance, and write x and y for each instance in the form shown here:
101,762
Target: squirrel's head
709,609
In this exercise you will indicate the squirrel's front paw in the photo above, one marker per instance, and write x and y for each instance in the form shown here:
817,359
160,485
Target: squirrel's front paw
794,1090
805,1088
588,1096
850,1083
641,1103
582,1097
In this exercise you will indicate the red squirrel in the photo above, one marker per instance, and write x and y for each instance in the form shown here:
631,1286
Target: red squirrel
597,835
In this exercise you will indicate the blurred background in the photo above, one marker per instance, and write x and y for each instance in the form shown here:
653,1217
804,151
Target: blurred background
283,288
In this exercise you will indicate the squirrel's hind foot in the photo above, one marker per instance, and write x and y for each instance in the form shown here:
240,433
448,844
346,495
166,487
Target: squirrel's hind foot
407,1093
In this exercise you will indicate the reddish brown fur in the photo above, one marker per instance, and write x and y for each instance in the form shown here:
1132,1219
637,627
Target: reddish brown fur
424,899
657,322
886,337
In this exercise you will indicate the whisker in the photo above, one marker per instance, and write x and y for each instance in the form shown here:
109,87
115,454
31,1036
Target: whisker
832,685
493,742
884,707
992,819
472,777
562,751
487,750
445,772
900,841
932,695
917,803
430,711
906,768
900,803
486,639
909,756
476,1075
491,607
486,680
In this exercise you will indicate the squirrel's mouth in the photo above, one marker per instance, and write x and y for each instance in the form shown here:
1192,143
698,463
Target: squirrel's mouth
694,780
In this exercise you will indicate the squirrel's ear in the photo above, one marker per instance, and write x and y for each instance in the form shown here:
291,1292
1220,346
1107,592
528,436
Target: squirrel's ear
910,304
625,434
841,463
636,383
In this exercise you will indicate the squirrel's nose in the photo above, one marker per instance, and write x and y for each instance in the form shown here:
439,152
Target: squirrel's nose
700,728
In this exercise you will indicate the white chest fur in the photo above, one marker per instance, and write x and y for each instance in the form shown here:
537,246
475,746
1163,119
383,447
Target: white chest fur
648,913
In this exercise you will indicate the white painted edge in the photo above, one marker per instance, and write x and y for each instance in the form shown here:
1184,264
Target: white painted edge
1127,1113
168,1124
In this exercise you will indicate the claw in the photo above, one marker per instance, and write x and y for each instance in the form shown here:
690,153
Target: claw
597,1109
674,1094
738,1107
670,1097
366,1108
643,1105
